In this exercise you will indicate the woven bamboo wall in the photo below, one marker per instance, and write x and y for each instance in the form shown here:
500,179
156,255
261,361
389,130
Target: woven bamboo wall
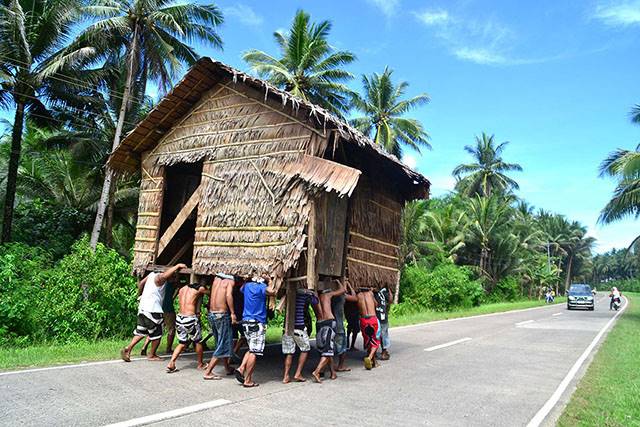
149,207
374,237
251,215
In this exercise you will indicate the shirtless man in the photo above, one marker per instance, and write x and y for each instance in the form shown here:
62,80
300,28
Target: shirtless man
221,315
188,324
149,321
326,332
368,325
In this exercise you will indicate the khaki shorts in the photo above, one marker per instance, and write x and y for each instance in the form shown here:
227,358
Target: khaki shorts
300,338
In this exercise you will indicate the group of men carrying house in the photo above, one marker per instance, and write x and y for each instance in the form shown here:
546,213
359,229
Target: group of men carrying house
237,310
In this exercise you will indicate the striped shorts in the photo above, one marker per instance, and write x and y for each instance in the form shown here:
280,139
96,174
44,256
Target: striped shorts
149,325
188,329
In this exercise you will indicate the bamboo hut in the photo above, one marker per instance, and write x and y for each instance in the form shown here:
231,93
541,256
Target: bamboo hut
241,177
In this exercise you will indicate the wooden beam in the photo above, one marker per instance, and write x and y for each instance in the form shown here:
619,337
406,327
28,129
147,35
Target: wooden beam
180,219
312,278
181,251
291,309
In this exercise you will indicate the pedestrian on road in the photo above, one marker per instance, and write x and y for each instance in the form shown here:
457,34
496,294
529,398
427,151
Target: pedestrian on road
149,320
326,331
254,323
368,325
168,316
337,307
221,316
384,297
188,324
299,338
353,322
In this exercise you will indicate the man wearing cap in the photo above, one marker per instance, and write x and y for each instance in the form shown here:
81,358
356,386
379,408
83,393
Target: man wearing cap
221,315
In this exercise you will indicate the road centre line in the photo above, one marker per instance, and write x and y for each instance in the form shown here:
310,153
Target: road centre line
555,397
526,322
163,416
557,314
448,344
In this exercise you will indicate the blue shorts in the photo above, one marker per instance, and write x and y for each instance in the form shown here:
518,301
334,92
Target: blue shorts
221,330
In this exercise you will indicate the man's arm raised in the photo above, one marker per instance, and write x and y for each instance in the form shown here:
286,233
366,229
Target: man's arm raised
229,296
166,275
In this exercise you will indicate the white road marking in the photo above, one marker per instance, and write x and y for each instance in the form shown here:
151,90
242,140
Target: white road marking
162,416
555,397
526,322
448,344
557,314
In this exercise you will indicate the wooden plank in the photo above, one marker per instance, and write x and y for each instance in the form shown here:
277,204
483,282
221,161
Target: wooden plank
312,276
180,219
332,221
291,309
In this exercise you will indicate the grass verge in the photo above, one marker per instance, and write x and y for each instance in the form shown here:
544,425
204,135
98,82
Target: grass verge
609,393
56,354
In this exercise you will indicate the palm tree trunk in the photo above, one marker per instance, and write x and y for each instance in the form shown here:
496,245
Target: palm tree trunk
567,281
110,173
12,173
108,226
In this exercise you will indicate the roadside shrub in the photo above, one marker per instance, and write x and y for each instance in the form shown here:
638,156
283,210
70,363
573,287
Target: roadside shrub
110,306
21,267
624,285
507,289
445,287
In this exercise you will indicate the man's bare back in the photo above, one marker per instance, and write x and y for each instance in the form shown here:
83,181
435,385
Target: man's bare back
366,303
325,312
188,298
221,299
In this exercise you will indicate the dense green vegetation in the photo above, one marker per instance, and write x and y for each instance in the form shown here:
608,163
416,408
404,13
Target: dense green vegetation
74,90
608,394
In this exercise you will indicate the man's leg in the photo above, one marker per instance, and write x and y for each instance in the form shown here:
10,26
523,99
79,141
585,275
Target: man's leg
199,355
154,347
170,320
342,363
249,368
288,358
321,365
208,374
301,362
125,353
171,367
143,352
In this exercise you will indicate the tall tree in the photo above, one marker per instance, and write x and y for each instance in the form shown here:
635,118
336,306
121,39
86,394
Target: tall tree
487,174
384,111
624,166
308,67
32,33
154,35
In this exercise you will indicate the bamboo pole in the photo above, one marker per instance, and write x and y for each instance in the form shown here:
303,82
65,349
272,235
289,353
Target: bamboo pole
312,278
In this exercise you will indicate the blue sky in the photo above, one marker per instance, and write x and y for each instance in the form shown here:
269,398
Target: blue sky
556,79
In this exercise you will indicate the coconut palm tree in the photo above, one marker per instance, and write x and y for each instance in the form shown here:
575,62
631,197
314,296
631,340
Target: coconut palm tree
624,166
308,67
154,36
32,33
487,174
384,110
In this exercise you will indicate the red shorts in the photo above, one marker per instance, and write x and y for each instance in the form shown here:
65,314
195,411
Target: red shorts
369,329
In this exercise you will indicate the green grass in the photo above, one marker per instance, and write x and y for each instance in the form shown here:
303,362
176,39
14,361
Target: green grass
609,393
56,354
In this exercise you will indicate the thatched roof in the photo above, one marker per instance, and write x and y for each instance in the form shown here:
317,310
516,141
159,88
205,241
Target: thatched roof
205,74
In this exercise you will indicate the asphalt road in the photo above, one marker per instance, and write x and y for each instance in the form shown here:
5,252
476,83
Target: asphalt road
496,370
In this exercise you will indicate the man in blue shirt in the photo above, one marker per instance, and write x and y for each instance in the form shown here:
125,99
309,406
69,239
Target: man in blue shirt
254,324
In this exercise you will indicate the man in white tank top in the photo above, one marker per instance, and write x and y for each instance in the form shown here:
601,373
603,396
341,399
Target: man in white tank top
149,322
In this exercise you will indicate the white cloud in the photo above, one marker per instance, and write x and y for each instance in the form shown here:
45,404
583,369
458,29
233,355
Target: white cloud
387,7
245,14
434,17
619,13
486,42
410,161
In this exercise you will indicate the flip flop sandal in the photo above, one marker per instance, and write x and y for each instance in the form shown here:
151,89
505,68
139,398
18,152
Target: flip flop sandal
172,370
367,363
250,385
213,378
125,355
239,376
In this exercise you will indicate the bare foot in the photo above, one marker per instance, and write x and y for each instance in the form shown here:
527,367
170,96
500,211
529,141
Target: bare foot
300,379
343,369
333,376
286,380
316,377
125,354
154,358
202,366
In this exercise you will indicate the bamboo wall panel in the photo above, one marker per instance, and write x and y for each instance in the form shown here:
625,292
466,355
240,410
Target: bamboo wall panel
149,213
374,237
332,222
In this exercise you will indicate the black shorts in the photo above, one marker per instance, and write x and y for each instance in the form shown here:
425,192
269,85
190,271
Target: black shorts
149,325
236,331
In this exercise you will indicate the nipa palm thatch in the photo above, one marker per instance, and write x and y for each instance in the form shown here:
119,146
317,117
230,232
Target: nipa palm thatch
264,157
